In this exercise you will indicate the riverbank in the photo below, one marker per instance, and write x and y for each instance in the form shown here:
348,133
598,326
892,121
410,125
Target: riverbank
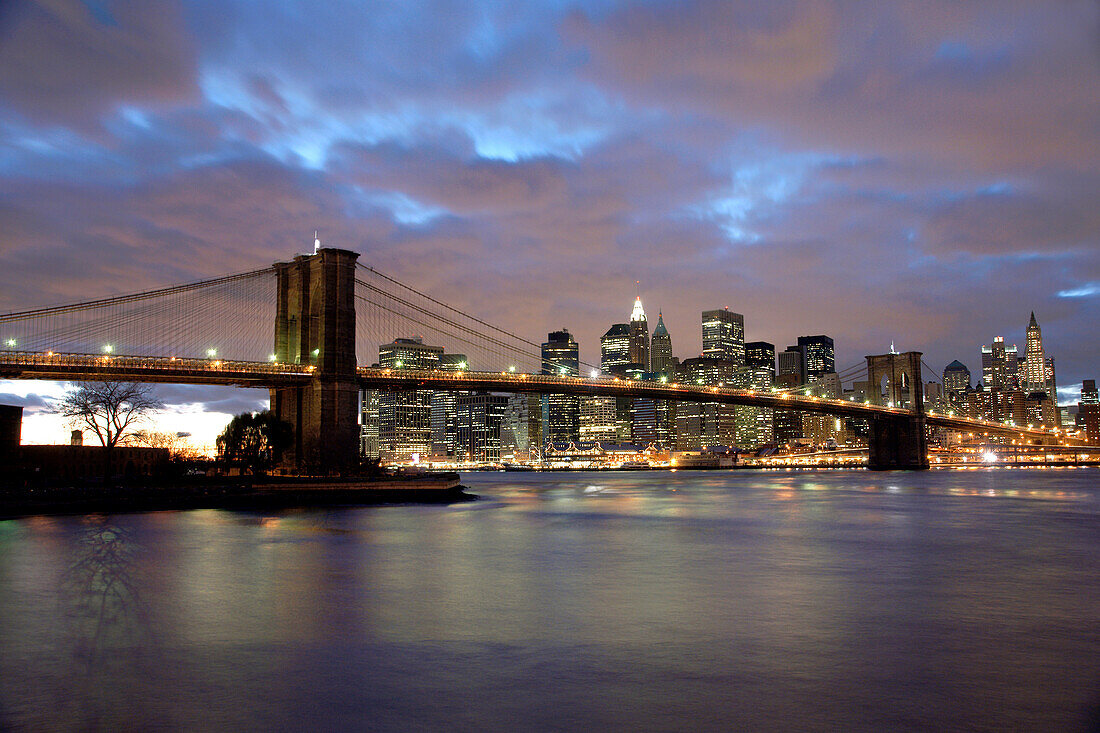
259,494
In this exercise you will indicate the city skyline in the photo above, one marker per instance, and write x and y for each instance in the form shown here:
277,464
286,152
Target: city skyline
888,176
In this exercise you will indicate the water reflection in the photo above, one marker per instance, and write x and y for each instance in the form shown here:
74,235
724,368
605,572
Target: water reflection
644,600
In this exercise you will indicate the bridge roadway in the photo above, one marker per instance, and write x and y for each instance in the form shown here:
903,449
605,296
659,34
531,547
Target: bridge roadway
100,367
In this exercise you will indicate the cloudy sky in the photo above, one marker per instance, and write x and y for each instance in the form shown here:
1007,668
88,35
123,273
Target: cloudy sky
926,173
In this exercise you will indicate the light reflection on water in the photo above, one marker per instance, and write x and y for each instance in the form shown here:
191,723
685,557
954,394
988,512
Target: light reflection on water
638,600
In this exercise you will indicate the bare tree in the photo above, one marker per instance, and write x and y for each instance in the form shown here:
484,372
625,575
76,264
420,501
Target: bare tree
111,410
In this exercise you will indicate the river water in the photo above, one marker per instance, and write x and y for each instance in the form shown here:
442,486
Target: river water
744,600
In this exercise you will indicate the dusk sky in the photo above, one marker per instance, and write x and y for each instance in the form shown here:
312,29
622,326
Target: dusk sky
923,173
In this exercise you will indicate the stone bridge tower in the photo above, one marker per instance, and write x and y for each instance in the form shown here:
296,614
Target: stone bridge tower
315,326
897,442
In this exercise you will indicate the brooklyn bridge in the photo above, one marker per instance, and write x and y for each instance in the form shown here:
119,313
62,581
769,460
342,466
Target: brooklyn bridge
305,328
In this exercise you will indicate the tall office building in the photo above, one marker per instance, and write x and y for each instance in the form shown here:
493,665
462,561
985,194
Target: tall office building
479,418
597,420
753,425
817,356
560,413
760,355
445,409
639,336
615,348
660,352
1050,379
404,417
1089,393
521,430
999,365
368,423
792,367
724,336
703,424
1034,358
956,378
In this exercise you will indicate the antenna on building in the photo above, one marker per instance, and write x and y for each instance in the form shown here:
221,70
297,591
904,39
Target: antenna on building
316,242
892,349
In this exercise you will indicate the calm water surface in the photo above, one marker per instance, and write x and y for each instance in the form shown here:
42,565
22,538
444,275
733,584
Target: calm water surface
962,600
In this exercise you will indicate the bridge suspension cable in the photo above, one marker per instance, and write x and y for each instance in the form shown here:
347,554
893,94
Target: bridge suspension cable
230,316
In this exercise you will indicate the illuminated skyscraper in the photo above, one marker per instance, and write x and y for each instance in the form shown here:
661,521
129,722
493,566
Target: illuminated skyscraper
1034,359
724,336
404,417
660,353
639,336
560,413
445,409
792,367
999,364
615,348
817,356
956,378
761,355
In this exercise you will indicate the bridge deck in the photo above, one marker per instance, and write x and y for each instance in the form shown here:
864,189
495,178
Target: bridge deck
79,367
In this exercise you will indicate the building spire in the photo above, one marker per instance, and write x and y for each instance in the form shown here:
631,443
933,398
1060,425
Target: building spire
316,242
638,314
1033,321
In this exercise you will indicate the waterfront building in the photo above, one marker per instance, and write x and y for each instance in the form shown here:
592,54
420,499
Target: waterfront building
369,446
699,425
661,360
404,417
1034,358
560,413
754,426
479,418
598,420
521,429
445,409
639,336
818,357
724,336
760,355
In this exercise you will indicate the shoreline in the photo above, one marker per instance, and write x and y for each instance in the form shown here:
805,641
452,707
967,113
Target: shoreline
270,493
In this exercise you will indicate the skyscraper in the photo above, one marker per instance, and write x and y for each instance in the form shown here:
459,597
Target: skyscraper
444,409
792,366
615,348
724,336
639,336
999,364
660,353
817,356
956,378
560,413
404,417
761,355
1034,358
479,418
699,425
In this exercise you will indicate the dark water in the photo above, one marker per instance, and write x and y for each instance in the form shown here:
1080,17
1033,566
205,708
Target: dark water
565,601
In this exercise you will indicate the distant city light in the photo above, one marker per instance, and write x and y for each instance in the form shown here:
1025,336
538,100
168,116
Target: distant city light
107,349
512,368
211,352
271,357
10,342
316,352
